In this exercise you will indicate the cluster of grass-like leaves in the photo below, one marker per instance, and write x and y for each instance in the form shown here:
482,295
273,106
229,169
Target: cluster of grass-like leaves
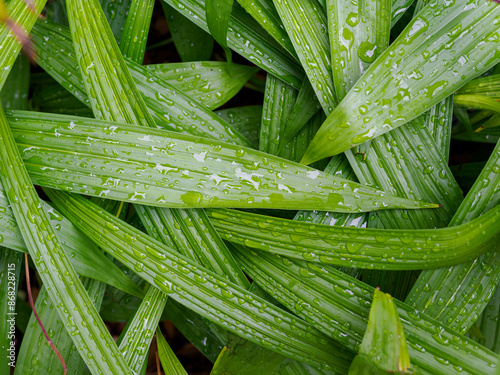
159,205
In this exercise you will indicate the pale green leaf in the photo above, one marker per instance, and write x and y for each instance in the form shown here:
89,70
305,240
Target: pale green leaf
169,361
135,32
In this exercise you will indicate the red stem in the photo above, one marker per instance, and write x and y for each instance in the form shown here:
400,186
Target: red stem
61,359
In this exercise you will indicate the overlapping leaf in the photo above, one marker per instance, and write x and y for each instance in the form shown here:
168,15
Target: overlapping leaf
431,59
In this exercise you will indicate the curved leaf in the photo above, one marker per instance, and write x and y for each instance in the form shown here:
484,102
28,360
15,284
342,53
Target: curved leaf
247,38
21,15
340,304
166,104
310,40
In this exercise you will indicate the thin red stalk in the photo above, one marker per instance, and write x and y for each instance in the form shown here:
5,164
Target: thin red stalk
157,357
28,285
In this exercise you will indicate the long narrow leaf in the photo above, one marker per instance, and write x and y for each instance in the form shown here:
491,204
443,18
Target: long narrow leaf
475,280
65,289
400,86
340,305
128,163
222,302
248,39
218,16
359,33
135,31
24,17
192,43
357,247
35,355
169,107
84,256
139,333
279,99
310,40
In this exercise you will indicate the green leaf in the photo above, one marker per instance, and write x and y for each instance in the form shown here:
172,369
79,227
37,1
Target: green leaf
487,86
169,361
487,324
191,42
439,124
475,280
407,162
198,330
191,233
383,349
305,107
91,36
135,32
211,83
359,33
218,174
35,354
10,270
399,7
242,356
14,94
84,256
339,305
218,15
480,102
24,17
65,289
55,99
467,174
279,99
310,40
116,13
390,249
213,297
493,122
56,11
139,333
246,37
265,13
166,104
400,86
244,119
